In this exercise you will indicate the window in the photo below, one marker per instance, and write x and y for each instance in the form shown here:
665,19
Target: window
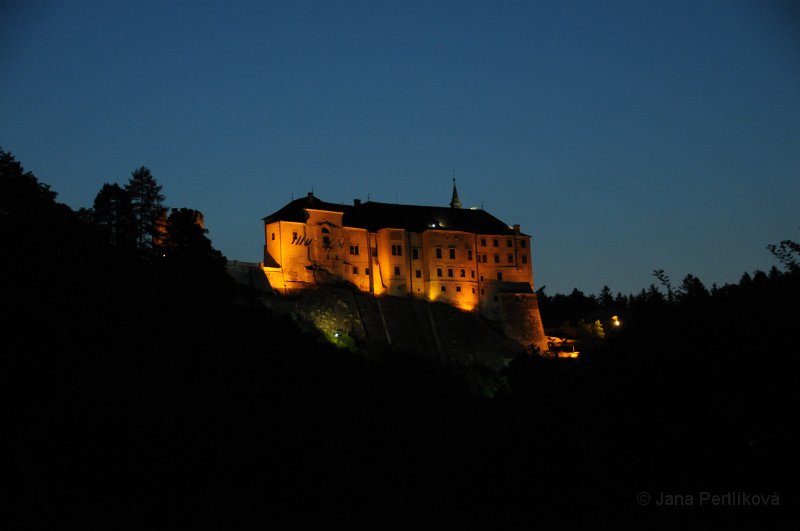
449,272
418,273
508,243
469,254
496,242
510,258
524,258
483,242
438,271
355,270
396,271
415,253
522,243
366,271
294,236
374,252
354,249
485,257
473,291
452,253
472,273
326,241
499,275
497,259
273,236
444,288
463,273
458,289
325,230
397,249
481,278
483,291
438,252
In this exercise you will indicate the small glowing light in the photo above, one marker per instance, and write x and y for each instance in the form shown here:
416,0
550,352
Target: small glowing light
336,334
615,320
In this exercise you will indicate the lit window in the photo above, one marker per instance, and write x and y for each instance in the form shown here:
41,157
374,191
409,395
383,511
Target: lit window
452,253
438,252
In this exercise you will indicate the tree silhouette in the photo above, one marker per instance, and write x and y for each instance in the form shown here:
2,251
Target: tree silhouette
113,213
20,191
146,202
787,252
186,237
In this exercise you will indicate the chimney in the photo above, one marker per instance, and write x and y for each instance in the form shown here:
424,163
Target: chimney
357,202
516,228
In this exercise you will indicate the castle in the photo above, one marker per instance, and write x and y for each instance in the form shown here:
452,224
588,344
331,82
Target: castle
466,258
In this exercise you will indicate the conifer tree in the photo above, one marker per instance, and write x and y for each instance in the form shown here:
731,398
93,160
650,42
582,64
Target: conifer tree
148,210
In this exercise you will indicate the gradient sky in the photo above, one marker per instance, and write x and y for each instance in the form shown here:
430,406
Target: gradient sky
623,136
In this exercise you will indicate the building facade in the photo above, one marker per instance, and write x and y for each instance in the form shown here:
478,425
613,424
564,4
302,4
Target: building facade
466,258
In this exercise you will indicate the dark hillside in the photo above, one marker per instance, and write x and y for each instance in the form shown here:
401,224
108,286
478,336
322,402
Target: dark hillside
136,394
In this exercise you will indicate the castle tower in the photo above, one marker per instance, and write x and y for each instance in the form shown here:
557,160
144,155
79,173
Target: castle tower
455,202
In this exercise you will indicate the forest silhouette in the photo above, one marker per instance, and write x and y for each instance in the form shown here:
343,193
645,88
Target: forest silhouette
142,388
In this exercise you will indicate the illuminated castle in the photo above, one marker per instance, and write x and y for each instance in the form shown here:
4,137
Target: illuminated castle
466,258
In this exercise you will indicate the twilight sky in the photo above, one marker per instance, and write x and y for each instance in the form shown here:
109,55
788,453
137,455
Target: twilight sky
623,136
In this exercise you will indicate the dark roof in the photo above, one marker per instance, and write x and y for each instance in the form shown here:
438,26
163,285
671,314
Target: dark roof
373,216
295,210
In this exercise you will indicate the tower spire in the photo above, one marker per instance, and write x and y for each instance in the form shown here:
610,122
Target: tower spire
455,202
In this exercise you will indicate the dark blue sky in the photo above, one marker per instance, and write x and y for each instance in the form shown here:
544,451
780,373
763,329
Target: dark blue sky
623,136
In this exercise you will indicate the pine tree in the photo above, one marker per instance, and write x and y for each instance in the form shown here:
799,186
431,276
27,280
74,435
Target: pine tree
146,202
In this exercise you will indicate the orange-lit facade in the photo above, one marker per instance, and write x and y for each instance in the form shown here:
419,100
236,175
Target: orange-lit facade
463,257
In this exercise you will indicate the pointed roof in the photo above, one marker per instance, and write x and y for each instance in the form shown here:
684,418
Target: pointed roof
455,202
